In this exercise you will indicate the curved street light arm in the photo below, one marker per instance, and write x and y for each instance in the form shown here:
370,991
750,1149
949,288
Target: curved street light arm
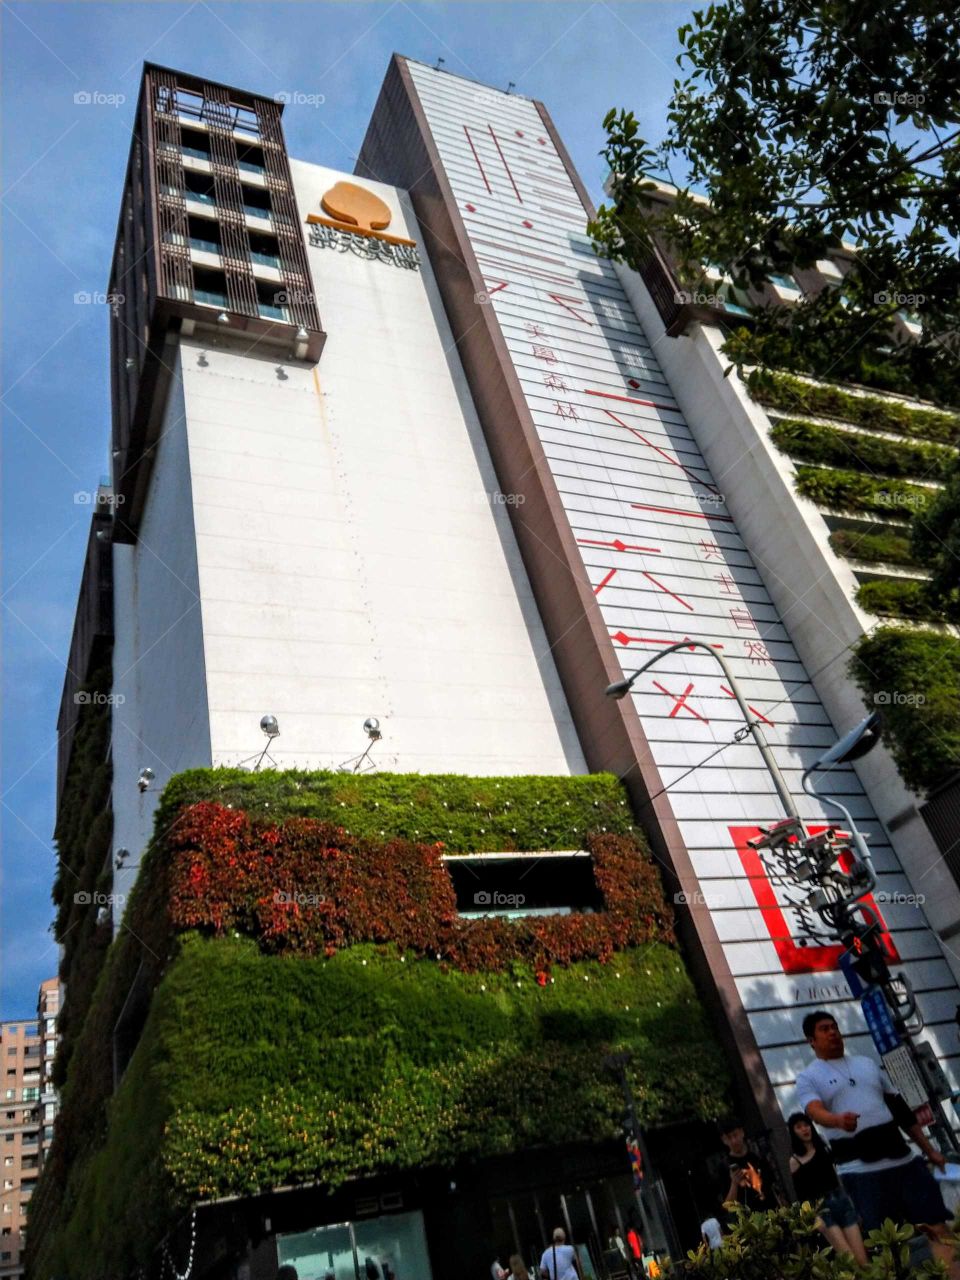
860,845
620,687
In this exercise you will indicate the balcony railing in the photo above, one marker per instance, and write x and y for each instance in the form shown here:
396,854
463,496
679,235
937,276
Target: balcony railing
266,259
212,299
270,312
248,166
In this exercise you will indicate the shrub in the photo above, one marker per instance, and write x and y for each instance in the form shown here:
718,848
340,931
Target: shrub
855,450
880,546
898,598
795,396
786,1242
913,678
851,491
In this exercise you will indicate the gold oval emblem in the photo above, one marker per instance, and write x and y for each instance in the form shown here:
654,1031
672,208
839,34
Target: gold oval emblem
356,207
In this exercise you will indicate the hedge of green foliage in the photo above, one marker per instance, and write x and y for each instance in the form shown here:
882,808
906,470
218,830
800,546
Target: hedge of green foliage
83,836
852,491
466,814
912,677
878,546
898,598
832,446
258,1069
783,391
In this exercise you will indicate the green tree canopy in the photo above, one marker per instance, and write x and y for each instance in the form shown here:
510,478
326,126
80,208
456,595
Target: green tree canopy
807,124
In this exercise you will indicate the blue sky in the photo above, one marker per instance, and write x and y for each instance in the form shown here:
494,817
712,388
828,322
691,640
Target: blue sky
62,174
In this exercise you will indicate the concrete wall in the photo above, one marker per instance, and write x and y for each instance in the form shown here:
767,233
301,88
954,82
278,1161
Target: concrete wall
353,556
812,588
158,661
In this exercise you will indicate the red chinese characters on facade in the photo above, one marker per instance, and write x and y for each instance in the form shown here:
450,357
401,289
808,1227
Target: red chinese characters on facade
556,381
727,585
547,354
565,410
757,652
710,550
742,620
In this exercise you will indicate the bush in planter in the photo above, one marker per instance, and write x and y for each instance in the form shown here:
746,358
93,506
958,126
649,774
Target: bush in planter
879,546
858,451
787,1243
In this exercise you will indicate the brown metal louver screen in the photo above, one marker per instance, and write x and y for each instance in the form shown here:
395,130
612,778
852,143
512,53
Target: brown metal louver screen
235,248
294,268
176,274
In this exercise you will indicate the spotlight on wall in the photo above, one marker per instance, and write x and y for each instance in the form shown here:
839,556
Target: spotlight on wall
130,363
223,318
300,347
271,730
362,763
146,777
120,858
371,727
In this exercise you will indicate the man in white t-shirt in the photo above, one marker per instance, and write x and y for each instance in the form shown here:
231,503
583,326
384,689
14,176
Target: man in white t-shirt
560,1261
861,1116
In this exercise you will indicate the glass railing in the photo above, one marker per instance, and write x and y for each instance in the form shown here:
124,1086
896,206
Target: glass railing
266,259
205,246
202,196
249,167
272,313
256,212
195,152
214,299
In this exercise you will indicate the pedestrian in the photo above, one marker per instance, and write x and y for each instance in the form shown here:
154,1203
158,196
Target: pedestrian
518,1268
861,1115
635,1241
815,1178
750,1180
287,1272
497,1270
560,1261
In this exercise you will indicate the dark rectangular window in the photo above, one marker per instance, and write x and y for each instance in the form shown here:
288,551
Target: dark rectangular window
528,884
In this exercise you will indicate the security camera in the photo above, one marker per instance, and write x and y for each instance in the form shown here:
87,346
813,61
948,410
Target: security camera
146,777
371,727
269,726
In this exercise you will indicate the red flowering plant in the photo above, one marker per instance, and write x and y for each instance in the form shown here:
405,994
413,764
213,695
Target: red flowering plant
310,887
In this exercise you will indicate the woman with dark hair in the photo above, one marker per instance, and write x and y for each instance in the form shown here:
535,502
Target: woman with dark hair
815,1178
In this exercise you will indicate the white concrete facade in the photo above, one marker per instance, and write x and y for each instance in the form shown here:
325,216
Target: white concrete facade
326,544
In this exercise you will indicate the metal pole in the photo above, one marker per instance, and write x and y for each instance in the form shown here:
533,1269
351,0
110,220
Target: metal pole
783,791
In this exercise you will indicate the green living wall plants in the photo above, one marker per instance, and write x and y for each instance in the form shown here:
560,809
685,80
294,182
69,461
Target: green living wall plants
320,1012
898,598
912,677
797,397
858,451
854,492
880,545
83,836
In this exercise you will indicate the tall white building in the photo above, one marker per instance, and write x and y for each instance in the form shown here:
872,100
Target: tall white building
398,444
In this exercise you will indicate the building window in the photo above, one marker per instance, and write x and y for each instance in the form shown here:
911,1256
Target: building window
510,884
8,1184
31,1095
12,1051
8,1161
10,1094
7,1207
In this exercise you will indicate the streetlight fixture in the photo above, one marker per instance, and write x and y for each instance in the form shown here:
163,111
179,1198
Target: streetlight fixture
852,746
